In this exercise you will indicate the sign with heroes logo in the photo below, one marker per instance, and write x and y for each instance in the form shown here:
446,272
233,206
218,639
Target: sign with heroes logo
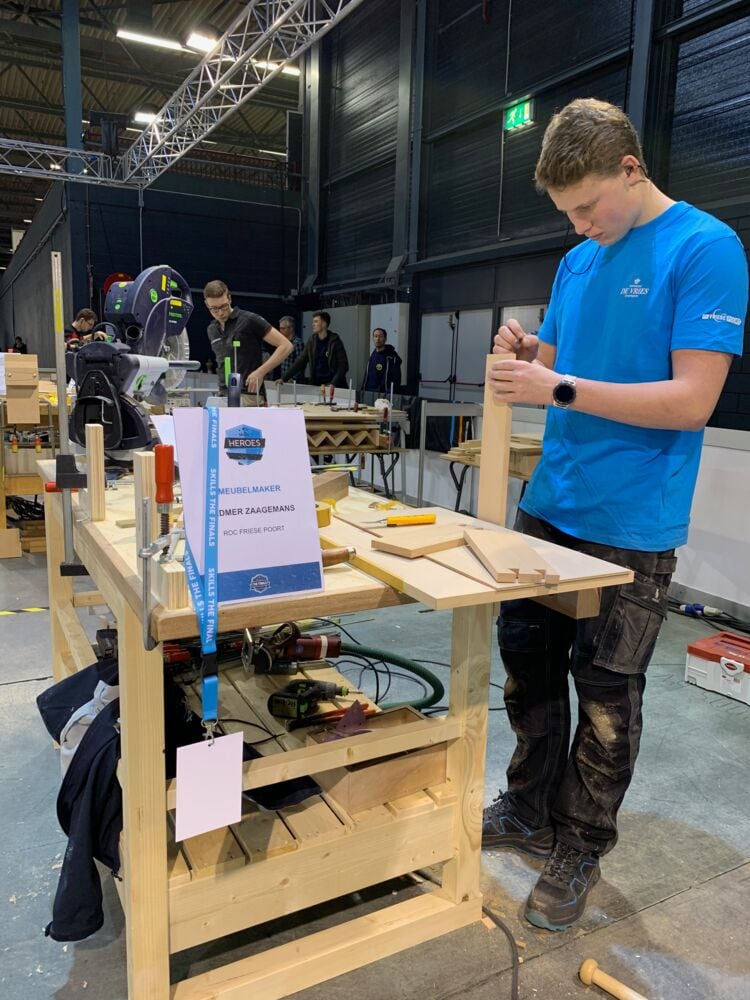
268,543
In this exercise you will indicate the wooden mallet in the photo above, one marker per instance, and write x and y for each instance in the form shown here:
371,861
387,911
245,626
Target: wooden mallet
591,973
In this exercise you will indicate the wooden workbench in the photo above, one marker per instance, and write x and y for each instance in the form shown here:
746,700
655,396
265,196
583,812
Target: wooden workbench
271,865
524,455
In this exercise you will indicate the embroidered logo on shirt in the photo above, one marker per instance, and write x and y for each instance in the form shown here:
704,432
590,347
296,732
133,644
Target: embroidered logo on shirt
720,317
633,290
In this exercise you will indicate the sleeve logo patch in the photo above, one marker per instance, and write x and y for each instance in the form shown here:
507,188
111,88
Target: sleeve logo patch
722,317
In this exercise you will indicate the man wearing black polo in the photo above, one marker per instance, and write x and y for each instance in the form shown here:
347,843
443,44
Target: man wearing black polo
231,325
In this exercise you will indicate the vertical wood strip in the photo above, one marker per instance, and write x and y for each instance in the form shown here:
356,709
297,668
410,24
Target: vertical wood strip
60,587
495,455
95,471
144,477
144,810
469,691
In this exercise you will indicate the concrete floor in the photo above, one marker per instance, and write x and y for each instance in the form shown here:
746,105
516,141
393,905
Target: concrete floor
668,917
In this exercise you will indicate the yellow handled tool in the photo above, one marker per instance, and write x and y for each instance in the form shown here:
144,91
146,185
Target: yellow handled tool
405,520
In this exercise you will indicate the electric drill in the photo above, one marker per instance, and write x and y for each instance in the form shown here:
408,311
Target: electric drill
300,698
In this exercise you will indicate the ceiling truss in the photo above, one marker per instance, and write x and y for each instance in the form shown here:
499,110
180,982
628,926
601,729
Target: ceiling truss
264,38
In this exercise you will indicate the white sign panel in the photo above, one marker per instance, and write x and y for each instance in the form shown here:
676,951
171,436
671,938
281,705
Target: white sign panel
268,542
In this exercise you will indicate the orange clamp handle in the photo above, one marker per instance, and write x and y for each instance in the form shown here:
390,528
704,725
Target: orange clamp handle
164,472
54,488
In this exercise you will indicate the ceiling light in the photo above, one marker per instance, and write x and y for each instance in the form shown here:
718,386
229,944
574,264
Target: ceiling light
144,117
39,199
209,142
55,166
27,220
201,42
272,152
265,64
155,40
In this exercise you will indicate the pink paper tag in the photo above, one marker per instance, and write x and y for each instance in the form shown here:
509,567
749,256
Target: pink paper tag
209,786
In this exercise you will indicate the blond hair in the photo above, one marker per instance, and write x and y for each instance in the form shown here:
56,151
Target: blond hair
586,137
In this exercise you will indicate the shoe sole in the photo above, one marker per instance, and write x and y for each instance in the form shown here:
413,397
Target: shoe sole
490,843
539,920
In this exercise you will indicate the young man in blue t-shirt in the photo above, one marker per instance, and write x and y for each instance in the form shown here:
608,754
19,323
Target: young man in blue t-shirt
644,319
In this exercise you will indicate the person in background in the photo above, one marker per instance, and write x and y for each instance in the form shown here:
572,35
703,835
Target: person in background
250,330
384,366
19,347
325,355
644,320
288,327
82,325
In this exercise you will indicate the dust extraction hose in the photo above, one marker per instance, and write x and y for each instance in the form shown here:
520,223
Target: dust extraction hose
406,664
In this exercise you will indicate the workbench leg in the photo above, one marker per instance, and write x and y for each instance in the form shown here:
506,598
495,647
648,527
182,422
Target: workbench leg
144,860
469,695
60,587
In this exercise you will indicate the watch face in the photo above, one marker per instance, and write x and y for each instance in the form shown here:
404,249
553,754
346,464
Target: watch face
564,393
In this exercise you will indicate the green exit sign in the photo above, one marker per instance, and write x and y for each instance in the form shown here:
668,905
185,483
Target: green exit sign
519,116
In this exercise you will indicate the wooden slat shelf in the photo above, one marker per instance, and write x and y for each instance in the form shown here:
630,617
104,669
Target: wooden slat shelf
319,820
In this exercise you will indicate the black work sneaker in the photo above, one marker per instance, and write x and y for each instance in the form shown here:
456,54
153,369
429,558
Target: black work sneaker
502,828
559,897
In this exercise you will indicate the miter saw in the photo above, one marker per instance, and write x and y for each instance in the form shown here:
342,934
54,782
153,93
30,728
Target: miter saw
147,354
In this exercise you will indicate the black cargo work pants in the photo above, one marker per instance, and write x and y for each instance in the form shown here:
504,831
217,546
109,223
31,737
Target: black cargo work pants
578,788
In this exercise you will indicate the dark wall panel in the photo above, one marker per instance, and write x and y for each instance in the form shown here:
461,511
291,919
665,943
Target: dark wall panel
466,71
26,288
253,247
460,288
361,106
711,127
710,159
361,239
461,193
360,110
546,39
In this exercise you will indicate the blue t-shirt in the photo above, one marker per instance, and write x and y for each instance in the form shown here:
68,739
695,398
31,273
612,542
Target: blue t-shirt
677,282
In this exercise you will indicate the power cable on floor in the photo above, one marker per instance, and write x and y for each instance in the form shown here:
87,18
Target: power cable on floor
514,994
714,617
25,680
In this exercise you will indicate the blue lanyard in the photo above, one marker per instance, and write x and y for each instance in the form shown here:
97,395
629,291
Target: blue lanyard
205,591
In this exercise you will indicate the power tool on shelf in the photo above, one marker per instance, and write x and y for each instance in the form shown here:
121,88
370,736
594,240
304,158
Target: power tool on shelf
280,651
299,699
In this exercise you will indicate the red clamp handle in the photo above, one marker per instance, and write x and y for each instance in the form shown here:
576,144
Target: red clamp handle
164,473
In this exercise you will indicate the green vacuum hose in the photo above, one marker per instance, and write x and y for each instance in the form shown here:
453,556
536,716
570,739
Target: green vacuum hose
401,661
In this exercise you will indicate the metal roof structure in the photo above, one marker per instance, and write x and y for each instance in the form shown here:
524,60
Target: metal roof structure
120,77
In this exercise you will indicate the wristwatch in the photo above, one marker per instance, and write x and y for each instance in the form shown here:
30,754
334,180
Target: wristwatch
564,393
